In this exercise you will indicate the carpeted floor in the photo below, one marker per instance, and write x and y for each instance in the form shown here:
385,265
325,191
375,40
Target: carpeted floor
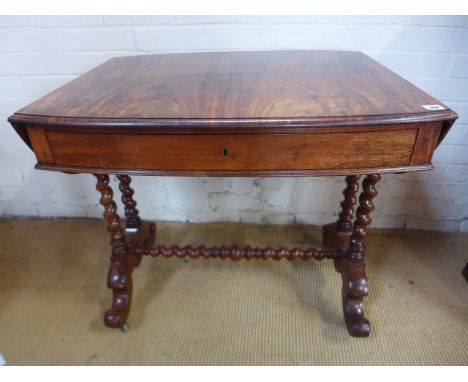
211,312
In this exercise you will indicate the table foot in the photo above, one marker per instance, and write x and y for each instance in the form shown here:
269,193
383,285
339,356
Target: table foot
355,288
120,274
116,317
120,281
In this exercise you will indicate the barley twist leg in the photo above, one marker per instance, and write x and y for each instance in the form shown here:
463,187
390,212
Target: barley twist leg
338,234
131,213
353,267
119,277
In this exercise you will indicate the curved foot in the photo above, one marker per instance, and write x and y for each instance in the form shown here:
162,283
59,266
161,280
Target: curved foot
121,284
356,323
355,288
114,318
120,274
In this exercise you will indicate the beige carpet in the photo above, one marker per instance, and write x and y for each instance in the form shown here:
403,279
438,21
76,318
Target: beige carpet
212,312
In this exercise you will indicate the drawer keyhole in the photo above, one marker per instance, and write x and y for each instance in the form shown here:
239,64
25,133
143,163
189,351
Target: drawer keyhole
225,152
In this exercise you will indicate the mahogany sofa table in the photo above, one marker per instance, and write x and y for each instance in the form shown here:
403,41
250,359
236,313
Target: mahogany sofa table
283,113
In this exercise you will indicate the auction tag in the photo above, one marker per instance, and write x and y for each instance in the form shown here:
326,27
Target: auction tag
433,107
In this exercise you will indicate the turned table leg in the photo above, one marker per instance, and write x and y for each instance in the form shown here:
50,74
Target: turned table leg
339,234
353,267
131,213
123,258
119,278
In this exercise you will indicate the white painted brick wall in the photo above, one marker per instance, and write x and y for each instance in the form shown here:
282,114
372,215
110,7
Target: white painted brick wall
39,53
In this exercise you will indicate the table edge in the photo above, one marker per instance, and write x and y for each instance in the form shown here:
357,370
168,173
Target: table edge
233,173
337,121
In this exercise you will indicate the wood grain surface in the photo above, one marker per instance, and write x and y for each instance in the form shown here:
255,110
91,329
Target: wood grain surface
234,152
237,85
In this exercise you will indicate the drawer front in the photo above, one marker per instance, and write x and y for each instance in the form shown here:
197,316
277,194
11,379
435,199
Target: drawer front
232,152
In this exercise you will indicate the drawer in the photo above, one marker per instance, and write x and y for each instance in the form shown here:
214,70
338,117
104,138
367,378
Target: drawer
313,150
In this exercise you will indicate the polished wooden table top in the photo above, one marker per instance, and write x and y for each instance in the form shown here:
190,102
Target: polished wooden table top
236,114
291,86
